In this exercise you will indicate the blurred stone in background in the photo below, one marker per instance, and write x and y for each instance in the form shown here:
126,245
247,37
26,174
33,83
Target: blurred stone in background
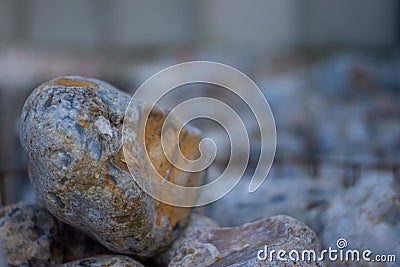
330,72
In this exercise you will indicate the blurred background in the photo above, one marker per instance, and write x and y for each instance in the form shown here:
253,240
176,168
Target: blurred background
329,69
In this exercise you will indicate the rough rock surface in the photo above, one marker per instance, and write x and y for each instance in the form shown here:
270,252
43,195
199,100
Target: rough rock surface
196,222
104,261
71,133
367,216
239,246
29,236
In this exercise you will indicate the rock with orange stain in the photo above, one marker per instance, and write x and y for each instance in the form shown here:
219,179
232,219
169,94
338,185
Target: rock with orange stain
71,131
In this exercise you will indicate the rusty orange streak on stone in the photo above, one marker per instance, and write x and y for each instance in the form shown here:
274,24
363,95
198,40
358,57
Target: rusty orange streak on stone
73,83
154,148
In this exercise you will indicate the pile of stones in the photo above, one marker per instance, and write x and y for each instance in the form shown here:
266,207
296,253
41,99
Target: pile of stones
89,209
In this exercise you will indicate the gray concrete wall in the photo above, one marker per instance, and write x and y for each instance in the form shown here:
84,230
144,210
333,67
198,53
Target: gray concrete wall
256,26
354,22
8,20
260,25
97,23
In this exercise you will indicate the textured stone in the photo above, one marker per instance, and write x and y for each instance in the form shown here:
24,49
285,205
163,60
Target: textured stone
196,222
71,131
367,216
29,236
239,246
104,261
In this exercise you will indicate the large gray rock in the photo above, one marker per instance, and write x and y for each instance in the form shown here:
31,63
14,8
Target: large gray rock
239,246
71,130
29,236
